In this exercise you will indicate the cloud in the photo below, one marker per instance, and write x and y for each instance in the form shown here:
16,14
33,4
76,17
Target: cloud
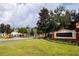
21,14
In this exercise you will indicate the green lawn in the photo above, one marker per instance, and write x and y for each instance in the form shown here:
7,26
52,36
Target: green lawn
36,47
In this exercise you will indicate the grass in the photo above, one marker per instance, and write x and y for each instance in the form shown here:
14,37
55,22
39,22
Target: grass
37,47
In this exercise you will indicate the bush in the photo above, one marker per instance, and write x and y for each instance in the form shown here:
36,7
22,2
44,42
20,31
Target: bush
7,36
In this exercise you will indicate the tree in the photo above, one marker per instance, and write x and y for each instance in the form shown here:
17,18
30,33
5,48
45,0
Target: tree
71,17
56,19
28,31
43,20
59,17
63,18
2,28
77,17
8,29
5,28
34,31
53,24
22,30
51,21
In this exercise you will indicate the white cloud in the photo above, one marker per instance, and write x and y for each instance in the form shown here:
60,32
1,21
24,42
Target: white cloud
22,14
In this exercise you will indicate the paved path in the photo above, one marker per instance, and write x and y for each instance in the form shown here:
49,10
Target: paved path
8,40
13,39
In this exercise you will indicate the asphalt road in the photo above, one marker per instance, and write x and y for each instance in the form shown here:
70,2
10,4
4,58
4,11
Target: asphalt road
13,38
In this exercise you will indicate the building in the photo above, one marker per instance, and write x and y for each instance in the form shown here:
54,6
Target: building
16,34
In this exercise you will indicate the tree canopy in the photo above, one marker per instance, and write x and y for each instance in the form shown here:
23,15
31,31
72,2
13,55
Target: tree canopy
56,19
5,28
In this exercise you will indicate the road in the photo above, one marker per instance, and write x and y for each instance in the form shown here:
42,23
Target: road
13,39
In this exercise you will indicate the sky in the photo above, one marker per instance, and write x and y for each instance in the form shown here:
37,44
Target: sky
26,14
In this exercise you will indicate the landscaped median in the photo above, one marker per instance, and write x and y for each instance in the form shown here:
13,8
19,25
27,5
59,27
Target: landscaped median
36,47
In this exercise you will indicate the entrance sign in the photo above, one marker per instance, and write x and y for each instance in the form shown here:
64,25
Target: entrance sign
65,34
